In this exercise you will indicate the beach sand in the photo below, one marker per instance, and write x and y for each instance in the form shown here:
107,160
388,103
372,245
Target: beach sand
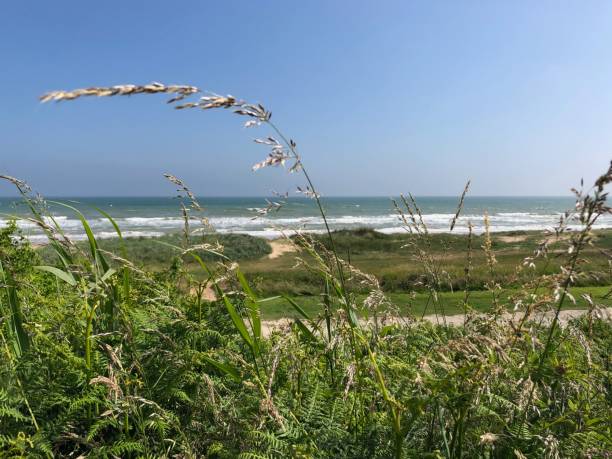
280,247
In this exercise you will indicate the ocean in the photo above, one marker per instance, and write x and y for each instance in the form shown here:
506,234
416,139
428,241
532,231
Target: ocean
155,216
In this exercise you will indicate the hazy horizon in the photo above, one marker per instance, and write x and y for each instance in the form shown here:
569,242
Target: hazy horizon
201,196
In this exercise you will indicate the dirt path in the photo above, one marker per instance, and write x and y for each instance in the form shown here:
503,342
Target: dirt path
269,326
280,247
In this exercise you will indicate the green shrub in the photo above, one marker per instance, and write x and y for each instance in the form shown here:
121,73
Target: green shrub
156,251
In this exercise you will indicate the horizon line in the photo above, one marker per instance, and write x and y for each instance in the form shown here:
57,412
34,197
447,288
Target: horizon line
66,196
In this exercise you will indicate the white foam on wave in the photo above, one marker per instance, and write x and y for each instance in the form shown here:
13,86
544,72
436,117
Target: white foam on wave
275,226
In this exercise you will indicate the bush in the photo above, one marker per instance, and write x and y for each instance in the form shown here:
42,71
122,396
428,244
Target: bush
155,251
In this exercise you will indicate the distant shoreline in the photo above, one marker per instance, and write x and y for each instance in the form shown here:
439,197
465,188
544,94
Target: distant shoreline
158,216
504,236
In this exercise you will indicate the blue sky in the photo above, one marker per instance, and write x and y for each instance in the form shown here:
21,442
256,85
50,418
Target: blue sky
382,97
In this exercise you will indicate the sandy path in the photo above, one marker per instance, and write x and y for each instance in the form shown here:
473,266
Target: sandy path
512,239
268,326
280,247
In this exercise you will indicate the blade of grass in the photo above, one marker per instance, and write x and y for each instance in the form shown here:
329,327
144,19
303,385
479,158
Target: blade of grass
99,260
125,270
224,368
60,274
21,342
297,307
253,306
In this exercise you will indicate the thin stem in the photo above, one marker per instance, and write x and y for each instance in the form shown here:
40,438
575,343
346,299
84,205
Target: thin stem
589,222
317,200
88,332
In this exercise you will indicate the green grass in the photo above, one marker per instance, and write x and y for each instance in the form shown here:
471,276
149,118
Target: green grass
421,303
387,256
399,269
383,255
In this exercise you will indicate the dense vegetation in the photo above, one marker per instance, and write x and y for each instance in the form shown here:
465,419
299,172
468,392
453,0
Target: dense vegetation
167,374
106,358
160,251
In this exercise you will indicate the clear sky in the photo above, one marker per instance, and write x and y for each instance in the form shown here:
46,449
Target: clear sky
382,96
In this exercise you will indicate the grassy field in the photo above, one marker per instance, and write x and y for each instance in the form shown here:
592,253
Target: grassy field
394,262
389,257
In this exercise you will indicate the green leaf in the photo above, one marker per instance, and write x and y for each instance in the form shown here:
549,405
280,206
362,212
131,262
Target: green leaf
306,331
126,271
114,223
93,245
16,317
63,275
224,367
108,274
297,307
236,319
353,320
253,305
245,284
270,298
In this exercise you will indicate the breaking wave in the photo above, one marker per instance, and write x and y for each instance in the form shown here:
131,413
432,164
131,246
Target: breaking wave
270,227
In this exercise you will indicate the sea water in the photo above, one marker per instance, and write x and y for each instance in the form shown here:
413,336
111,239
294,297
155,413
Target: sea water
155,216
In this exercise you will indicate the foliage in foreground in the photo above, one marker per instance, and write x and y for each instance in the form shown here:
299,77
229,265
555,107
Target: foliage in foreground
104,359
174,376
